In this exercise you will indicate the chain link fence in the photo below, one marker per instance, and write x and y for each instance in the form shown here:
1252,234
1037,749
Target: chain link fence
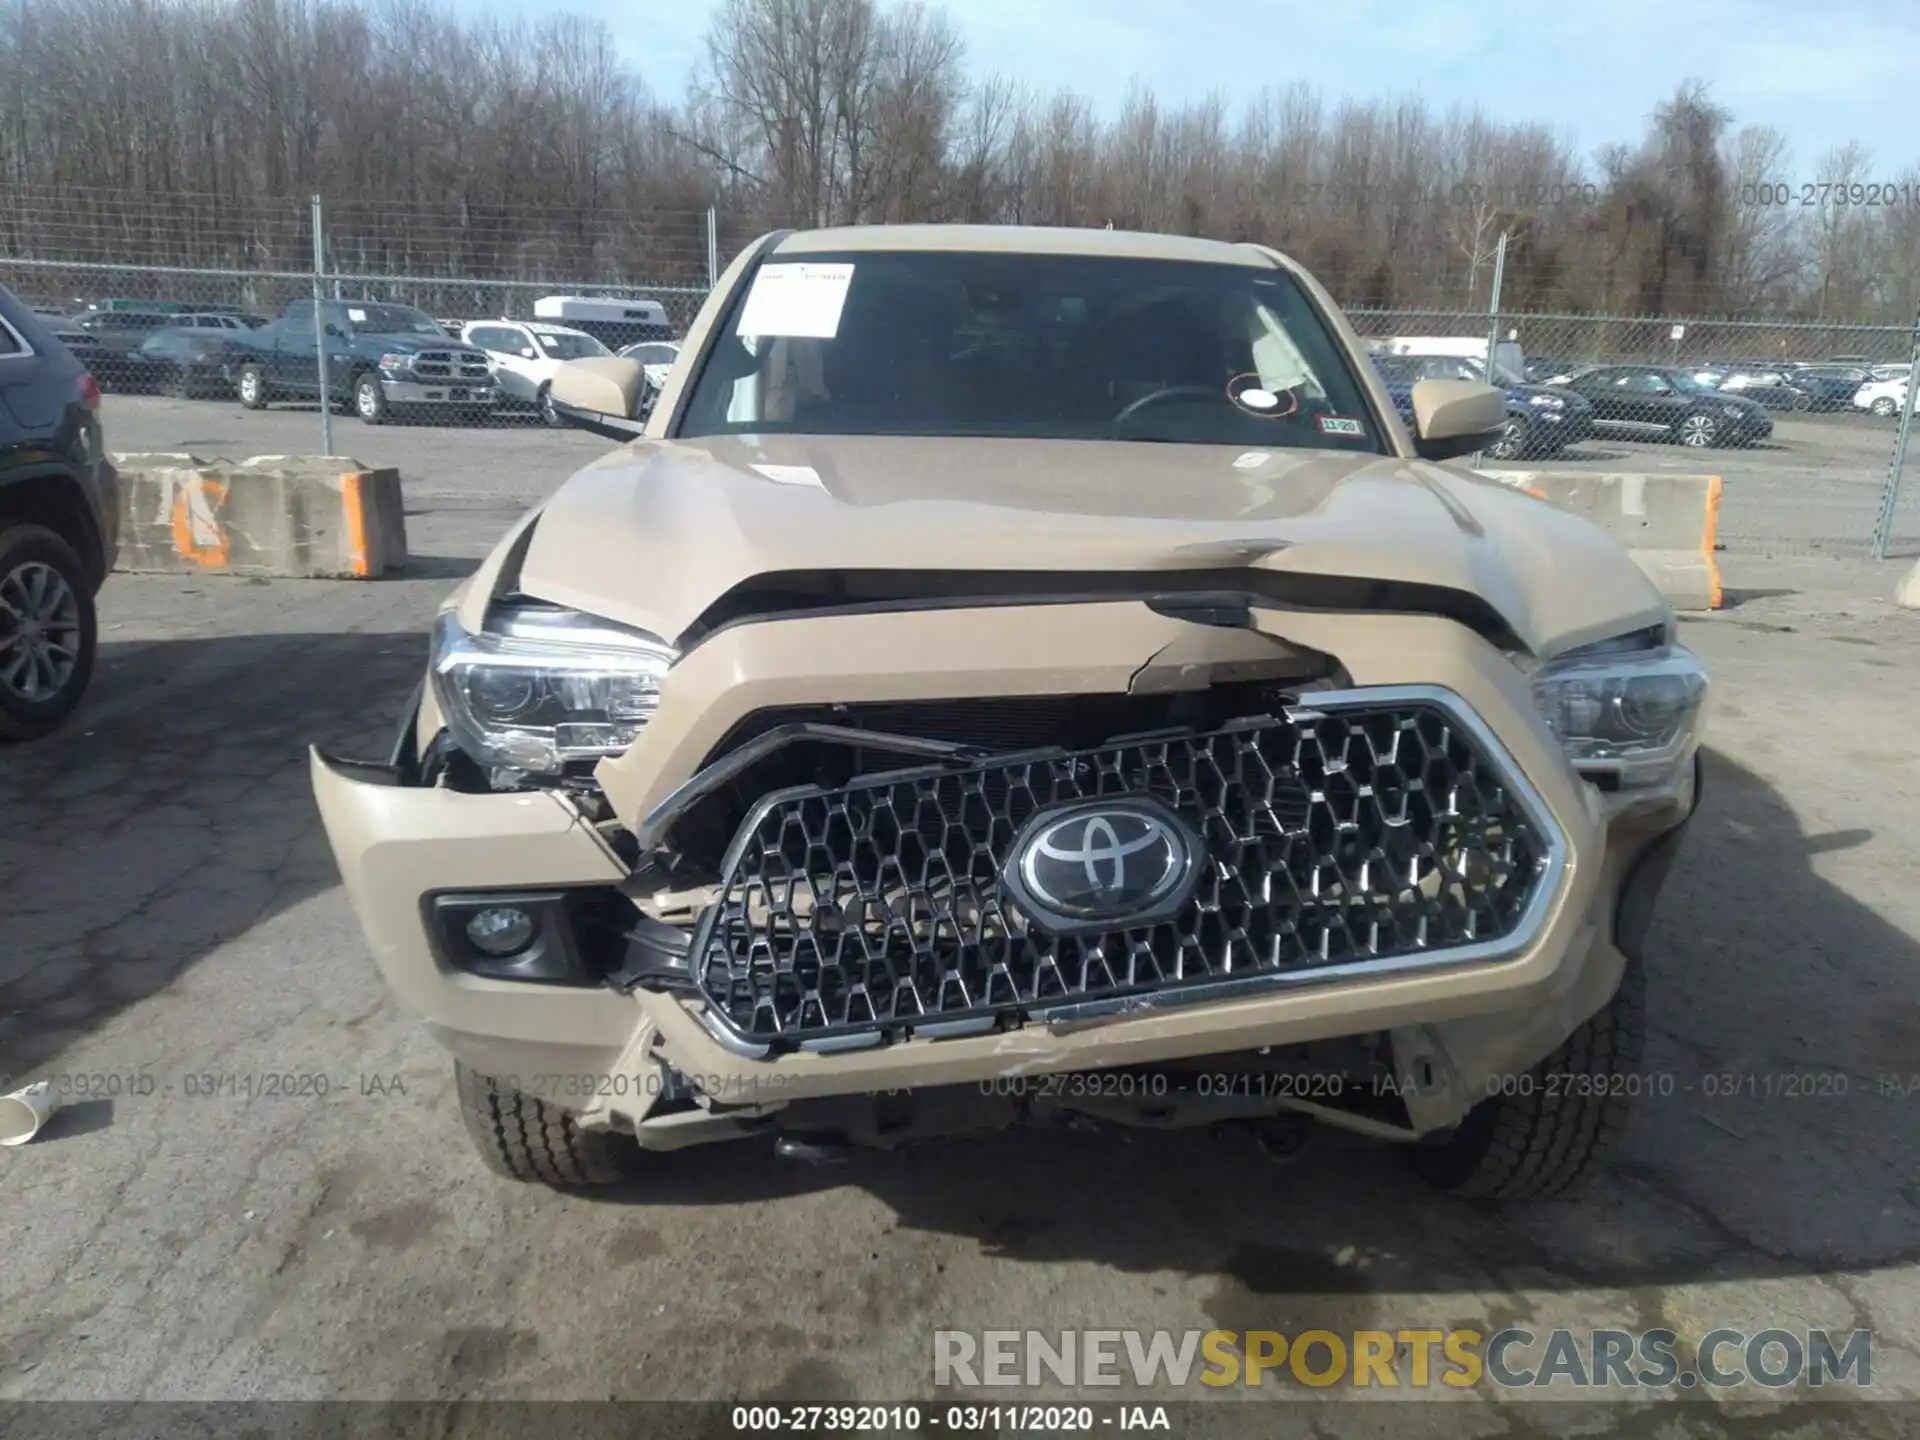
1799,419
463,322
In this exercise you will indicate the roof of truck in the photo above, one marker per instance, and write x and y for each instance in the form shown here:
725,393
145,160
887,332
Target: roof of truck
1024,240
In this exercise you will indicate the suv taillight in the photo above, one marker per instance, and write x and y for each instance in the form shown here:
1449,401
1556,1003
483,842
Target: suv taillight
89,391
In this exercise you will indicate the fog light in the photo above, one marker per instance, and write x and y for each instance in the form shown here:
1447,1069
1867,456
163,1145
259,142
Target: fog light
500,931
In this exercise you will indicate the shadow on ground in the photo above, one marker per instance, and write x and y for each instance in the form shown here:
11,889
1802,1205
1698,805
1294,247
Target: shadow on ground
1775,1140
173,814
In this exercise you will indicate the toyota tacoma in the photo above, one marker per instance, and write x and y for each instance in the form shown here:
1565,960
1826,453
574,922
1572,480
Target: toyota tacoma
1021,676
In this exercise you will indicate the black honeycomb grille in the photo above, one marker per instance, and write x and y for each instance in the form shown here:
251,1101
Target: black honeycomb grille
1352,835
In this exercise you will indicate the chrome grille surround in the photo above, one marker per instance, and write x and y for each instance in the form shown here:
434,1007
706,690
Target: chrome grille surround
462,365
1360,833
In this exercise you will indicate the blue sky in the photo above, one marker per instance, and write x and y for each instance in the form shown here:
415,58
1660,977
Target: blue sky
1822,73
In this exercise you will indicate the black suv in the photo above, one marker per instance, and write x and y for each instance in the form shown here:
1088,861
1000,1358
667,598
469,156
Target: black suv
59,523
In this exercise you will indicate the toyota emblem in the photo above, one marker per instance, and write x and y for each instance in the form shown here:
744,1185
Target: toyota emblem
1103,865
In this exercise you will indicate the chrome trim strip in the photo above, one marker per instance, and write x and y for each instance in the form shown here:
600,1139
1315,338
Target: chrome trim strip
24,350
955,1029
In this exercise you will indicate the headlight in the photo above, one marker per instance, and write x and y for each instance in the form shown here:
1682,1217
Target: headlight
1629,707
396,361
1547,402
541,686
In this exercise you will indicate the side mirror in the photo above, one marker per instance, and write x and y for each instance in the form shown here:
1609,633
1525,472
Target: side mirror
601,394
1456,417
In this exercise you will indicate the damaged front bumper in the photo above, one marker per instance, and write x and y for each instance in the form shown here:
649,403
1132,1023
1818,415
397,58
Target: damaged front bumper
634,1057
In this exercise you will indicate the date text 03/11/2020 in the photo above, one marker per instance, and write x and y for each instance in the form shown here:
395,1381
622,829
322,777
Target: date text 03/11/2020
952,1419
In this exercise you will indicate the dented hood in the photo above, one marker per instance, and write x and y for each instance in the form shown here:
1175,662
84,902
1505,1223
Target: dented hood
655,533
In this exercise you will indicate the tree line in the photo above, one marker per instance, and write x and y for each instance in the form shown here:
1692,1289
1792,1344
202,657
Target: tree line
191,132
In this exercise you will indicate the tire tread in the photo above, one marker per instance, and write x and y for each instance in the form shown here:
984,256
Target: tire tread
1545,1146
524,1138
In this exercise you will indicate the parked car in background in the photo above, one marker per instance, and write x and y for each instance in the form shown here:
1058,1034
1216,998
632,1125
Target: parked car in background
1540,420
117,370
191,362
59,524
121,330
525,356
151,307
212,320
1541,372
383,360
1765,387
659,356
1829,387
1892,372
1882,397
1654,402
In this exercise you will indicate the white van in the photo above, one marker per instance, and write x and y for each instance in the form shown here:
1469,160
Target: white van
615,322
1466,347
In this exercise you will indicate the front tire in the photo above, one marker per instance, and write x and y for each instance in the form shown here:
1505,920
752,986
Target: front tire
47,631
524,1138
370,399
1568,1111
1699,432
252,387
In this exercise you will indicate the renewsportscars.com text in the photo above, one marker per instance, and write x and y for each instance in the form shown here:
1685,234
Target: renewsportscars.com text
1455,1357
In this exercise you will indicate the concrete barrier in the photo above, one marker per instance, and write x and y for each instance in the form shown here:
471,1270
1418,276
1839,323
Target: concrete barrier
1907,593
288,516
1667,523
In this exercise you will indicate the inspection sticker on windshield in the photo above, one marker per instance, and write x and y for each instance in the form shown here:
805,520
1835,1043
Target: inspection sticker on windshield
802,300
1340,425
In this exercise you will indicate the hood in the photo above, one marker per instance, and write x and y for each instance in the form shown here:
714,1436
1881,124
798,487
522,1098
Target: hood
655,533
414,344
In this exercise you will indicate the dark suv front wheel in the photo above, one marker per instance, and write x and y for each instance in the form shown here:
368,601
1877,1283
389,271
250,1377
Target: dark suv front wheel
47,631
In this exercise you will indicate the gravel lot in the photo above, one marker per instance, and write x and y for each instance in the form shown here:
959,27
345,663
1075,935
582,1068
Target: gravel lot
168,908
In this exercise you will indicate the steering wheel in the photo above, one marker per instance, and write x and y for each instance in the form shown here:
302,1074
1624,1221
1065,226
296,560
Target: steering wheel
1166,393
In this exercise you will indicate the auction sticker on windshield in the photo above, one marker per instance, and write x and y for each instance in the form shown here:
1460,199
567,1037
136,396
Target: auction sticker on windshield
800,300
1340,425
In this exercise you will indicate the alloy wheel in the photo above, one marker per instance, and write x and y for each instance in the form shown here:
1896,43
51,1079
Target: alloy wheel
1513,438
1698,431
39,631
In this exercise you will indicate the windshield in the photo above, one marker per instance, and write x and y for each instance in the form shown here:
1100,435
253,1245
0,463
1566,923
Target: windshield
393,320
1037,346
571,347
1681,380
